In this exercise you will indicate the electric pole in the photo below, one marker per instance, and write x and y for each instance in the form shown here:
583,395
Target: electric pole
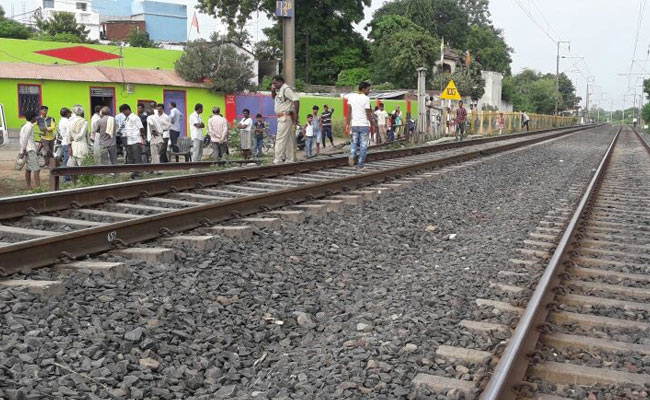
286,10
557,75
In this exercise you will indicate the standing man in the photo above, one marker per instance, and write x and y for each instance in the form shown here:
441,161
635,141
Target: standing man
120,136
326,124
316,125
461,119
46,126
175,117
166,126
28,150
94,132
218,131
245,140
360,123
287,109
105,139
134,132
196,132
78,137
526,120
155,136
63,131
382,116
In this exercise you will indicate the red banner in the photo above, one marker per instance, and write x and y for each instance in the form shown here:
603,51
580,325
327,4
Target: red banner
231,107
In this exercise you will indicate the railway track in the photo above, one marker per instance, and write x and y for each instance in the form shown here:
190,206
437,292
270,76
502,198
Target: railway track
583,333
43,229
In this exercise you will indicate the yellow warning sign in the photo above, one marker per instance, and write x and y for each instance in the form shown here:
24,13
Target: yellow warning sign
451,92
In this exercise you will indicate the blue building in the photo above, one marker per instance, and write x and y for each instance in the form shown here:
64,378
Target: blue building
165,22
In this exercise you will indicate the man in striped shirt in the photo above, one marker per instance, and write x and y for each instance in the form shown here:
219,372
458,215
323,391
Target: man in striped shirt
326,125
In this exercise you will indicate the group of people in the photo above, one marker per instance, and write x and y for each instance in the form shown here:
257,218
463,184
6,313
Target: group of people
459,120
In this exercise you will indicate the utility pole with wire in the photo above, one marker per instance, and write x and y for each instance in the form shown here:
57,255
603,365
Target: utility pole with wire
557,75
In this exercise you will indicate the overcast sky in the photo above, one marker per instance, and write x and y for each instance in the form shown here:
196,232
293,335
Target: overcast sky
601,31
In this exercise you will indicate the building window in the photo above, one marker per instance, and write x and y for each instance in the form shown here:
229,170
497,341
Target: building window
82,6
48,3
29,98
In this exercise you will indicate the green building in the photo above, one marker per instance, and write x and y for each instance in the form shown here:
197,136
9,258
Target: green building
35,73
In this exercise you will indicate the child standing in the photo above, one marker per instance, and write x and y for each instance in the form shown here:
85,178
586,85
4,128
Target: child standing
501,123
316,124
309,137
260,129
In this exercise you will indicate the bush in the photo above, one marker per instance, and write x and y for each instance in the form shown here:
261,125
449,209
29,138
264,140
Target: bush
353,76
384,86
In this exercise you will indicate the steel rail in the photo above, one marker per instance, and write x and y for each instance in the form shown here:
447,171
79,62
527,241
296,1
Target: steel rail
46,251
513,363
644,142
18,206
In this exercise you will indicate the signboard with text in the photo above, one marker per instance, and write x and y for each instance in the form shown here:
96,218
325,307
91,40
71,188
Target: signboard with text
450,92
284,8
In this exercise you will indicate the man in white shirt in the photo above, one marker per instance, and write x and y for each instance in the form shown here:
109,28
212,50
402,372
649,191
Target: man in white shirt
175,117
133,131
381,115
63,133
245,140
166,126
28,150
78,137
155,135
218,130
196,132
94,134
359,122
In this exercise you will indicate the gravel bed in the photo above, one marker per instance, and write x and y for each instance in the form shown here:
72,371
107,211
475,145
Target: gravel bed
349,306
596,392
620,361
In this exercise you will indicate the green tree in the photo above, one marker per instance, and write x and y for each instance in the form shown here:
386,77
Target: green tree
646,87
353,76
440,18
645,112
489,48
478,11
217,64
535,92
138,38
13,29
325,38
399,48
61,23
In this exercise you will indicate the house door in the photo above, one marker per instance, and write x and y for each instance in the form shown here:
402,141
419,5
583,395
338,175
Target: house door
102,96
180,98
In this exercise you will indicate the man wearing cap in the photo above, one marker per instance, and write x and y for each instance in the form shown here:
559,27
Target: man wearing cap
287,108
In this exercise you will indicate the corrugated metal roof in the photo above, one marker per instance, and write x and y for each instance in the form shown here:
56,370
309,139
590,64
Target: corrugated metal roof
387,95
93,74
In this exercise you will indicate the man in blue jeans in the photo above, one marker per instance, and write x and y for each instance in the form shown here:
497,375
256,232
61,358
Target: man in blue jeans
360,123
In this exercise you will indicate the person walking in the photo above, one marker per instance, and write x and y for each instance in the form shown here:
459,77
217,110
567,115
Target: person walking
28,150
326,125
260,131
309,136
359,123
382,116
245,126
175,117
218,131
526,121
287,109
78,136
106,137
134,132
501,123
166,124
196,132
461,120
